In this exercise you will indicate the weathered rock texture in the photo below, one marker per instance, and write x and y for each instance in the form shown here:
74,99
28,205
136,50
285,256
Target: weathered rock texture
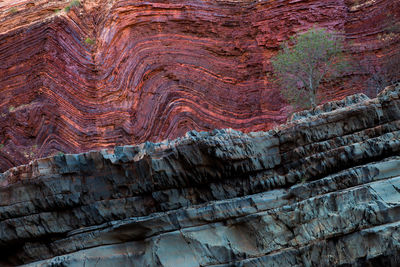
156,69
322,190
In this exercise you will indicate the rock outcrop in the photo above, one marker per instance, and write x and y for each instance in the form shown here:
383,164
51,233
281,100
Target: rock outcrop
321,190
111,72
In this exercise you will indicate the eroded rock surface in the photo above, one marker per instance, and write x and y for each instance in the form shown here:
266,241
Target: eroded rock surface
122,72
321,190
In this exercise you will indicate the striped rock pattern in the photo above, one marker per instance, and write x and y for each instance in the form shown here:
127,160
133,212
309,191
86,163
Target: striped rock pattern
111,72
322,190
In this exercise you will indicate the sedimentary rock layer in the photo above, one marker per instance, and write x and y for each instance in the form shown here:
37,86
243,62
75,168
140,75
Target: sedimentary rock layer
109,72
321,190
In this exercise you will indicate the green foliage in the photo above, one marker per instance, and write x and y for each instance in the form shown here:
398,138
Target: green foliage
13,10
304,62
11,108
89,41
60,153
1,146
74,3
57,10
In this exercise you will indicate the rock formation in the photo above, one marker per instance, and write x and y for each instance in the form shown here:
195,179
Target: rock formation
111,72
321,190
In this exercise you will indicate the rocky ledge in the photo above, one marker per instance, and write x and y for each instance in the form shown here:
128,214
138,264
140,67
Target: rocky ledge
321,190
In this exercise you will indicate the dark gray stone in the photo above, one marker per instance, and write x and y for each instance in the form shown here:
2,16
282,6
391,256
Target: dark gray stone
322,190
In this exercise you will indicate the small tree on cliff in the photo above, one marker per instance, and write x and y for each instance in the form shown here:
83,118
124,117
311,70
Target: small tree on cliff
305,61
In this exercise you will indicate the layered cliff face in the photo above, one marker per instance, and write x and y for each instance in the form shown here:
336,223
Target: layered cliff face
113,72
321,190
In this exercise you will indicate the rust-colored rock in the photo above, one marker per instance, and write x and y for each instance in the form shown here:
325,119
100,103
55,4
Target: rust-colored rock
155,70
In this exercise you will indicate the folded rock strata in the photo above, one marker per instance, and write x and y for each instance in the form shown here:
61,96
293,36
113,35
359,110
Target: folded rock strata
111,72
321,190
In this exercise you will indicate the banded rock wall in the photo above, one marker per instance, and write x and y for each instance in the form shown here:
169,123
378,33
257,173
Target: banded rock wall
322,190
156,69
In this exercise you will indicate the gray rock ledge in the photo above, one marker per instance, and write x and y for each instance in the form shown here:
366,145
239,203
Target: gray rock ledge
321,190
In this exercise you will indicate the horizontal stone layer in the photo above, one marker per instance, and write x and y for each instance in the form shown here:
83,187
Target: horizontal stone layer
320,190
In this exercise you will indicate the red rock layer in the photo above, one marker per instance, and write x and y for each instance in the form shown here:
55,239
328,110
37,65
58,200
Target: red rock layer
156,69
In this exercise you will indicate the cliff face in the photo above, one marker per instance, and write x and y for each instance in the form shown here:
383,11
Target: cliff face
110,72
321,190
